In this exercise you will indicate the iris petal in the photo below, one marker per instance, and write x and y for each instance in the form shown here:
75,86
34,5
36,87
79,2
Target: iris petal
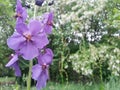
47,20
24,14
36,71
12,61
21,13
29,51
16,41
46,57
50,18
40,40
16,67
21,28
19,7
41,82
34,27
14,64
48,29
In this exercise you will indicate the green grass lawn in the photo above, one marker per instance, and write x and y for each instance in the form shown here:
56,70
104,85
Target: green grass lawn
112,85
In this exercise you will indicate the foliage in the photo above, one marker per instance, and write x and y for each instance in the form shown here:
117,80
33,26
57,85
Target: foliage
6,28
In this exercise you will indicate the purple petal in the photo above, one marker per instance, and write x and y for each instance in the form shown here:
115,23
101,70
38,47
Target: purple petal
40,40
15,41
50,52
17,69
12,61
35,27
19,7
14,64
48,29
24,14
29,51
46,58
21,28
36,71
18,21
47,20
50,18
41,82
20,12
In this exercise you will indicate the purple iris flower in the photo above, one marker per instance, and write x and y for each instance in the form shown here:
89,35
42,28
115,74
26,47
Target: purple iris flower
28,39
48,22
21,13
14,64
40,70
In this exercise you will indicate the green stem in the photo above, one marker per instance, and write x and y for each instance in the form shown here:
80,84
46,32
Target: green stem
35,10
29,75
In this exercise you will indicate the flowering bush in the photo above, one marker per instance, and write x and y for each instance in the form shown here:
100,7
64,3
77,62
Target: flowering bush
83,26
104,58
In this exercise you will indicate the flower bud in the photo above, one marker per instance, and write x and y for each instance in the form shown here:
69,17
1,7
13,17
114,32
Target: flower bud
39,2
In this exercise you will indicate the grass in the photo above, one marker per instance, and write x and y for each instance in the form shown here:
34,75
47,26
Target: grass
112,85
7,79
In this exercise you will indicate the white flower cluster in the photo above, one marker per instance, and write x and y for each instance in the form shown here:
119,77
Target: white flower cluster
77,13
114,62
83,62
80,7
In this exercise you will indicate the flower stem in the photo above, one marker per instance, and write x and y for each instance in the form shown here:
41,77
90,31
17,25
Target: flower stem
29,75
35,10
